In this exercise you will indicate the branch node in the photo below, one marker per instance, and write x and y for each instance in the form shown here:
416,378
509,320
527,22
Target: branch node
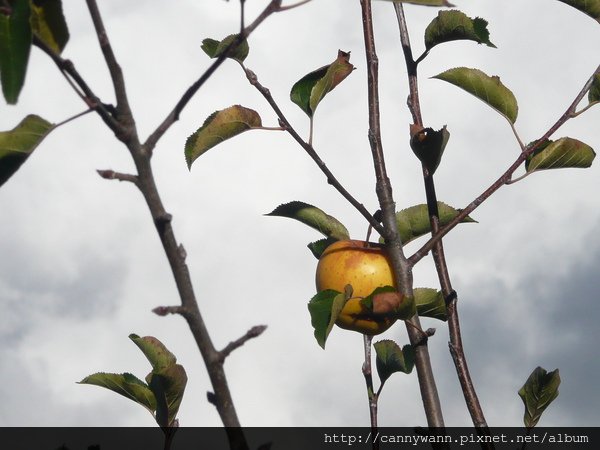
212,398
112,175
182,252
166,310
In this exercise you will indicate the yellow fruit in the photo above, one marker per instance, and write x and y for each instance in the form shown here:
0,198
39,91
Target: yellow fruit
365,266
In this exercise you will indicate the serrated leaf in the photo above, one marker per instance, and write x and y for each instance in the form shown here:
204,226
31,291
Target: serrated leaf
308,92
218,127
540,389
158,355
324,309
15,44
564,153
414,222
594,94
48,23
214,48
488,89
124,384
168,386
589,7
313,217
424,2
428,145
318,247
430,303
17,144
391,358
455,25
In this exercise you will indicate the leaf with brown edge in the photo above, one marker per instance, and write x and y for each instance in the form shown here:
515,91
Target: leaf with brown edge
455,25
428,145
565,152
308,92
386,301
218,127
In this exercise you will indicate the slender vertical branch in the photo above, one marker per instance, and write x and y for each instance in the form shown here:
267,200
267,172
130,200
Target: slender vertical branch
456,346
402,269
372,396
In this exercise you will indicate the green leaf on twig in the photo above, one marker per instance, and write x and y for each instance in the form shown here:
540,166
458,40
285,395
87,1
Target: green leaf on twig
414,222
214,48
17,144
391,358
456,25
158,355
313,217
488,89
540,389
308,92
324,309
48,23
168,385
565,152
430,303
15,44
589,7
218,127
124,384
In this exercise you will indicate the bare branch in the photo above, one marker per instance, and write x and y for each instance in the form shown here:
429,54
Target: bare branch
250,334
112,175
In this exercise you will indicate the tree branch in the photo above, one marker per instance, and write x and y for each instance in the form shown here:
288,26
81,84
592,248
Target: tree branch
250,334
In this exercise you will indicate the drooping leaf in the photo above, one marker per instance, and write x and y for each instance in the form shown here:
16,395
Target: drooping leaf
455,25
218,127
214,48
318,247
414,222
124,384
15,44
594,94
562,153
540,389
313,217
430,303
324,309
429,145
158,355
424,2
589,7
168,386
17,144
488,89
308,92
387,301
48,23
391,358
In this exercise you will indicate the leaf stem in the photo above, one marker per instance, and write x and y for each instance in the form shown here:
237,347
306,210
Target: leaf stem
76,116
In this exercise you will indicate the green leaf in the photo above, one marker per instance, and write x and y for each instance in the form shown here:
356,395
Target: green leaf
589,7
488,89
168,386
594,93
391,358
218,127
324,309
214,48
540,389
564,153
158,355
429,145
387,301
318,247
308,92
414,222
124,384
313,217
15,43
424,2
48,23
430,303
17,144
455,25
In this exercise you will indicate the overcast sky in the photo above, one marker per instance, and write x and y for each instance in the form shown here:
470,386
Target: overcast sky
81,266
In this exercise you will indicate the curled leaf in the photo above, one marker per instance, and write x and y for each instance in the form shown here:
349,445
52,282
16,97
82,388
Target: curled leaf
430,303
488,89
313,217
386,301
218,127
168,386
156,352
214,48
308,92
124,384
15,44
455,25
429,145
17,144
565,152
540,389
391,358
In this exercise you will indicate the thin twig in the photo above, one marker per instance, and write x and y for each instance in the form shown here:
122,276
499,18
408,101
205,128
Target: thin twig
252,333
505,177
367,370
402,270
76,116
112,175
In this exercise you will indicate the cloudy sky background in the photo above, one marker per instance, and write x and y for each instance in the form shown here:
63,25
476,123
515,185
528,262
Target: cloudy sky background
81,266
